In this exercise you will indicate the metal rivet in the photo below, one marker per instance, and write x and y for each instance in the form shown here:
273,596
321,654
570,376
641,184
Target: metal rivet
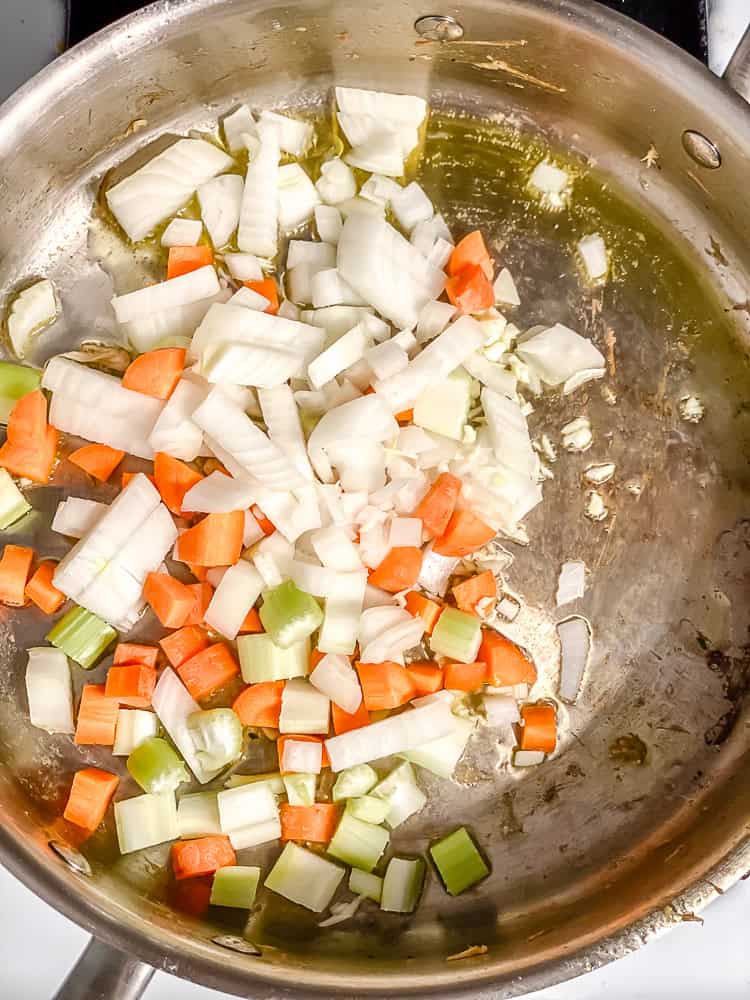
72,858
702,150
234,943
439,28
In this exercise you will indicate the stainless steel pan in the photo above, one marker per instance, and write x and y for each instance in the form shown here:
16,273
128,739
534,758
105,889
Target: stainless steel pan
643,817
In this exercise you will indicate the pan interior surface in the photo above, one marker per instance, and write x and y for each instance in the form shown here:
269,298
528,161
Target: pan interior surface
644,799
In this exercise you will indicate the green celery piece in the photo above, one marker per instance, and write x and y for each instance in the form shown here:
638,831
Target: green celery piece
357,843
235,886
82,636
217,735
354,781
156,766
457,635
366,884
368,808
15,381
402,885
262,660
13,504
274,781
289,615
300,788
459,862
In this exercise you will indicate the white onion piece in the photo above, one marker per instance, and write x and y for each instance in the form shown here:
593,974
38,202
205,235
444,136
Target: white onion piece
377,598
428,232
167,327
346,351
235,595
328,222
335,677
246,805
402,108
335,549
376,620
361,206
181,291
225,323
405,532
249,299
386,359
284,428
174,432
336,320
321,255
382,152
572,582
304,709
312,579
436,571
257,232
219,494
294,136
250,364
243,266
581,378
288,310
433,319
502,712
253,532
174,705
220,200
75,516
373,542
164,185
593,252
360,466
297,197
528,758
505,289
273,557
328,288
49,690
493,375
366,419
342,911
182,233
236,125
343,607
558,353
394,641
575,641
551,182
411,205
32,310
510,434
301,757
377,188
336,182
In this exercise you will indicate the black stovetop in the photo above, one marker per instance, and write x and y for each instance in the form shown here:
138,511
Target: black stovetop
682,21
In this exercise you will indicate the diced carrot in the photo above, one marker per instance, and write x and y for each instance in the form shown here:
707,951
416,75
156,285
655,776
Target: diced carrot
260,704
507,664
127,476
470,290
199,572
202,593
468,593
465,534
135,652
90,795
315,824
343,721
131,684
266,526
31,443
99,460
422,607
399,570
173,479
437,506
97,717
315,657
155,373
471,250
464,676
183,260
15,567
171,600
41,591
539,729
202,856
214,541
208,670
251,624
385,685
280,742
191,896
184,644
267,288
426,676
405,416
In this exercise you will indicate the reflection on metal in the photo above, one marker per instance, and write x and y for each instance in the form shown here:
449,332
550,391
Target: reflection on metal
702,150
234,943
72,858
439,28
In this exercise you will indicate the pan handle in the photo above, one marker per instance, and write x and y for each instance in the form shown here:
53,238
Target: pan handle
737,73
105,973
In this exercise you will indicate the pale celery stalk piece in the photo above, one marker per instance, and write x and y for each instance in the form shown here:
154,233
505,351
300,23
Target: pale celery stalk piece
402,885
358,843
13,504
262,660
255,834
247,805
134,726
366,884
402,793
156,766
354,781
304,709
15,381
458,861
145,820
82,636
274,781
457,635
304,878
198,815
289,615
236,886
217,735
300,789
368,808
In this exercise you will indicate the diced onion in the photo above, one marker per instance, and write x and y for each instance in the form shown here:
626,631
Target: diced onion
49,690
32,310
335,677
558,353
220,200
182,233
575,641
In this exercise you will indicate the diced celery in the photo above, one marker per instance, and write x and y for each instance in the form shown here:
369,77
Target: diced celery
217,735
358,843
156,766
441,756
457,635
304,709
15,381
300,789
235,885
198,815
368,808
304,878
402,885
247,805
256,833
274,781
443,406
459,862
354,781
262,660
82,636
134,726
13,503
289,615
145,820
402,793
366,884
